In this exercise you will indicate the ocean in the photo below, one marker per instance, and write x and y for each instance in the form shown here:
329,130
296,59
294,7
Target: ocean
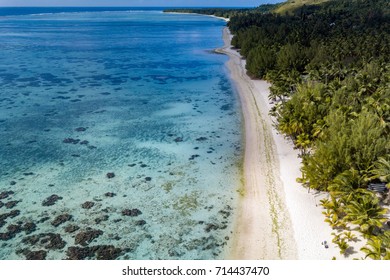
120,135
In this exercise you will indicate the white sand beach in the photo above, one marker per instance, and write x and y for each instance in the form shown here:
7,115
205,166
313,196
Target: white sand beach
277,218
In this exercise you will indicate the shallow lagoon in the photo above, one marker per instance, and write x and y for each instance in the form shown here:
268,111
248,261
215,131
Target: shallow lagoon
135,93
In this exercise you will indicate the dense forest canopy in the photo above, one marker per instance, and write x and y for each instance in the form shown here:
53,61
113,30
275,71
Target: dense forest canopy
329,66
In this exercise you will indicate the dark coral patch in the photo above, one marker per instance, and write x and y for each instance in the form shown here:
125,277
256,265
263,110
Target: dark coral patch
29,227
110,194
140,223
35,255
51,200
100,252
71,141
61,219
5,216
6,194
80,129
132,213
71,228
85,237
87,205
49,241
11,204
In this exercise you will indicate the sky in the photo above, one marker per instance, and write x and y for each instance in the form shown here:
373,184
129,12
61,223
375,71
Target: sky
138,3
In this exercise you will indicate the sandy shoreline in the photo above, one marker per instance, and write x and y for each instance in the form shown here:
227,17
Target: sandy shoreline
277,218
181,13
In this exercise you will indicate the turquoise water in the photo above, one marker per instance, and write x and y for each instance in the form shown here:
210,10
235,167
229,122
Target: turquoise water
130,111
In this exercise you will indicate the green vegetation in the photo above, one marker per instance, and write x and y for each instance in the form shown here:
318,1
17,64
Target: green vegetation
329,66
292,5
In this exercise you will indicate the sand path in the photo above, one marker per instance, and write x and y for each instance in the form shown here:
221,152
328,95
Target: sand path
263,229
276,218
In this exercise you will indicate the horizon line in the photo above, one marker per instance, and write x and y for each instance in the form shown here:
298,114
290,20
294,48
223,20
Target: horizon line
223,7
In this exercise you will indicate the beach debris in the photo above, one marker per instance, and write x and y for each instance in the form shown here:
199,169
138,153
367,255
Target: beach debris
51,200
132,213
87,205
325,243
110,175
61,219
85,237
148,179
378,187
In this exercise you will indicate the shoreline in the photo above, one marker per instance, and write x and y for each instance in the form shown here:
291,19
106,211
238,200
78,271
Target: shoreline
277,218
263,228
181,13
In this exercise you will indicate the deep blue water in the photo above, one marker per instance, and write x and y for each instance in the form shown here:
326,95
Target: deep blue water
15,11
137,93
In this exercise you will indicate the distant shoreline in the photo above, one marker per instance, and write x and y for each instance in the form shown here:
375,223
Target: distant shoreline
182,13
